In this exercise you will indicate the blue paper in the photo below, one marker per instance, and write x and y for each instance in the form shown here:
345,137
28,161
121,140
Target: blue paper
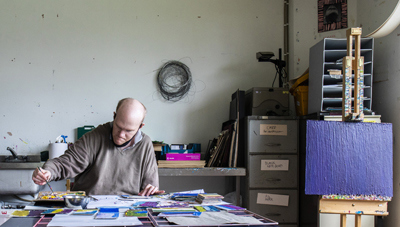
108,213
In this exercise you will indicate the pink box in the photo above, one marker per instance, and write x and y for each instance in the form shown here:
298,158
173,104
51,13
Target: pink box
183,157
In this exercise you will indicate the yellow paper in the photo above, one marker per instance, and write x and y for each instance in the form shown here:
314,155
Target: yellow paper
20,213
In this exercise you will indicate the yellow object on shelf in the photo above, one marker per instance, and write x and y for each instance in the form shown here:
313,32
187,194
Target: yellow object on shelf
299,90
301,80
301,100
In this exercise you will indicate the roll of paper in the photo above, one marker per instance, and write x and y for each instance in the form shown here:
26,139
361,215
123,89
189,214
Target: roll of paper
57,149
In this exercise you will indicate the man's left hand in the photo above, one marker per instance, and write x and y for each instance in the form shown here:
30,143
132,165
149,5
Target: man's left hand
150,190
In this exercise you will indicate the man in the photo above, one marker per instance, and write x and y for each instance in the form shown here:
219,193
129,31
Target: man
116,158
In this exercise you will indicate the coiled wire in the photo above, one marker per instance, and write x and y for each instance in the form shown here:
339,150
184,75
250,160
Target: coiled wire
174,81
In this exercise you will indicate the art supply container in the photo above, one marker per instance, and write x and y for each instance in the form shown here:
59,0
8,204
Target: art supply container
57,149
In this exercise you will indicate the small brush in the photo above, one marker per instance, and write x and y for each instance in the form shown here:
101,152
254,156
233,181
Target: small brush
46,181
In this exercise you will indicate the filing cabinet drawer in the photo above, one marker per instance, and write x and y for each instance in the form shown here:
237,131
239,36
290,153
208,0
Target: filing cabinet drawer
271,204
272,171
271,136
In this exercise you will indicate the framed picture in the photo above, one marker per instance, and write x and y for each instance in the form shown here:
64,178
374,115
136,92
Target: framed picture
332,15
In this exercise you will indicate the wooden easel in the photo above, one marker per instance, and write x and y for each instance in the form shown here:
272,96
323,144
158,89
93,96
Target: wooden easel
355,207
350,63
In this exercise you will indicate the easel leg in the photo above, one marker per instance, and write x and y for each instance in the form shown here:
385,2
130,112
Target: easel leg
358,220
342,220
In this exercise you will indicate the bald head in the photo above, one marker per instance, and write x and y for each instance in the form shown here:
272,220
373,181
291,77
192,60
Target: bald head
128,119
130,104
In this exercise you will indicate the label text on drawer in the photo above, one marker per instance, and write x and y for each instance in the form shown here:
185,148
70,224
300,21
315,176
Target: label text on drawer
275,165
273,199
273,130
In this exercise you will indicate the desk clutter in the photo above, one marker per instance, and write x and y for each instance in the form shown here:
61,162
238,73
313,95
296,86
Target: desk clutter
158,210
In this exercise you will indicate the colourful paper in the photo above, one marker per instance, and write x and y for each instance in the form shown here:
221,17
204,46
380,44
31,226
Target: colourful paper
57,211
20,213
229,207
136,213
85,212
107,213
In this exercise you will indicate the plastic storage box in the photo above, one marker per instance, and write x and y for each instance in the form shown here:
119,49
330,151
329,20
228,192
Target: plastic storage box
84,129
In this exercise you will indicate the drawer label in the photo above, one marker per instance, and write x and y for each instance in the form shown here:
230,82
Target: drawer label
273,199
275,165
273,130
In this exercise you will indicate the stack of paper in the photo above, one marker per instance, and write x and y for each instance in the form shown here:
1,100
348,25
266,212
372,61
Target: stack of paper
177,211
184,196
209,198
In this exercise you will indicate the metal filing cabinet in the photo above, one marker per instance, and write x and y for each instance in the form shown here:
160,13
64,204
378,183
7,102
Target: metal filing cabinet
271,158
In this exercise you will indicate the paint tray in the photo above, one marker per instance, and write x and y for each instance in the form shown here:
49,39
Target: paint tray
56,196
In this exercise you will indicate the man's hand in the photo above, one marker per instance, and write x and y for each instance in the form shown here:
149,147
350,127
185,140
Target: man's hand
150,190
40,177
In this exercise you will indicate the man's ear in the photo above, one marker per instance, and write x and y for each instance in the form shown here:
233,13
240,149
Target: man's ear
115,114
141,125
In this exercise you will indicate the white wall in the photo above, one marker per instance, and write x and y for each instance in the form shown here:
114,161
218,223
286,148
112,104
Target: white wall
303,32
65,64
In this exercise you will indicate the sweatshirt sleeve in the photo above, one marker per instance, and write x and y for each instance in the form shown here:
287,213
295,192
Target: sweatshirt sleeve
75,160
150,171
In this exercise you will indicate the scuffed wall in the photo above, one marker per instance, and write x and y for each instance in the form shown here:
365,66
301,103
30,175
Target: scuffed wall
65,64
303,32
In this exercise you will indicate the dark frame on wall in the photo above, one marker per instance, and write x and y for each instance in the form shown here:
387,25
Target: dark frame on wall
332,15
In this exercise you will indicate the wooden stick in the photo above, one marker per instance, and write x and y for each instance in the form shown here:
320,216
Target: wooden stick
357,220
68,185
343,220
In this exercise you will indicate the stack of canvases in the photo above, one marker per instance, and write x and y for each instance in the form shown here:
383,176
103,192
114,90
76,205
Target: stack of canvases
223,151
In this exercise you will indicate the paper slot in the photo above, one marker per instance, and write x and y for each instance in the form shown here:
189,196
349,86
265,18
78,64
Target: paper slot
274,165
273,199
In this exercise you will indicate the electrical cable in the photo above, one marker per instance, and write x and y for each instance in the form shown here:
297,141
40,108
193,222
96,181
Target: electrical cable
276,68
174,81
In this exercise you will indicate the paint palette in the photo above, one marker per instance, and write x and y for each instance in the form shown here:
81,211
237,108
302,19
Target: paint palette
56,196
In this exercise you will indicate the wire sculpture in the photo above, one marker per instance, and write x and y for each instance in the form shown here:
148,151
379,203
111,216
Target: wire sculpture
174,81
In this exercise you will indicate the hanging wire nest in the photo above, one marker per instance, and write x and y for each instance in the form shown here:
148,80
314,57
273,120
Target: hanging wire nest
174,81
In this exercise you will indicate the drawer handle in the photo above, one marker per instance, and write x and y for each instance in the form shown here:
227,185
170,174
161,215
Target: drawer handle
274,144
273,179
272,214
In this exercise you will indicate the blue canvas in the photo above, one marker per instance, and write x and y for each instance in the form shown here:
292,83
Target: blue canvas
348,158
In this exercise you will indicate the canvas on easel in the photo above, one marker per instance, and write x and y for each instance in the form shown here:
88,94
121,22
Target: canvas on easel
350,163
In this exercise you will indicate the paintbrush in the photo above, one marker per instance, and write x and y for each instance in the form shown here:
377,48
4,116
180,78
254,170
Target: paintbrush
46,181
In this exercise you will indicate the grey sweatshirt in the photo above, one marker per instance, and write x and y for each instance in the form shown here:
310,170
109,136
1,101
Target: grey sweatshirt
100,168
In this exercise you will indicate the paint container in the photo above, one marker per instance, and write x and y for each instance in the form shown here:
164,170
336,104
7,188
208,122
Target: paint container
57,149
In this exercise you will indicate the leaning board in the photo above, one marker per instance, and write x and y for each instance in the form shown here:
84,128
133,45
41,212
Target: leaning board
348,158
